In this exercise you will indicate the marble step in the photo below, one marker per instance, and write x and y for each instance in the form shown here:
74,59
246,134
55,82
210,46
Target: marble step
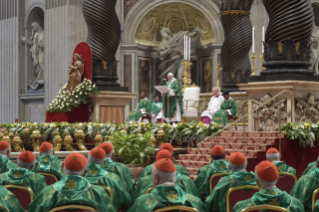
270,134
249,146
223,140
207,152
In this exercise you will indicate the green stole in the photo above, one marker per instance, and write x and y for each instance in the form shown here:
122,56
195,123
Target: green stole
169,104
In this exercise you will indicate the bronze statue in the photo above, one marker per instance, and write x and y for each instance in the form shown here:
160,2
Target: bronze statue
76,71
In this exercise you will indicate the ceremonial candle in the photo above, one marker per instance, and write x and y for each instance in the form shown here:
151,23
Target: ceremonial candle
263,39
189,46
184,48
253,39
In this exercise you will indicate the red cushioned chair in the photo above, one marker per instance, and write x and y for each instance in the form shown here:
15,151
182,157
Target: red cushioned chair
286,181
215,178
315,197
232,119
177,207
239,193
78,208
23,193
146,118
51,179
269,207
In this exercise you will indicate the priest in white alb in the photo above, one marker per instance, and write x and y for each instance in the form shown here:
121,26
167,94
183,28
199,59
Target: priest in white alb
213,106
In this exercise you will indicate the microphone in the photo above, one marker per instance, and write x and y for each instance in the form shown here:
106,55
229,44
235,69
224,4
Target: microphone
164,79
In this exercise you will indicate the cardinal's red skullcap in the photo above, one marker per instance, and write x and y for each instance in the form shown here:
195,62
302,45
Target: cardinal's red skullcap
98,152
267,171
218,150
167,146
272,151
163,154
75,162
45,146
237,158
4,145
107,147
26,156
165,165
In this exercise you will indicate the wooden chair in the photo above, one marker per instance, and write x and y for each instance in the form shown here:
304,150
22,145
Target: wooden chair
269,207
177,207
108,191
146,119
239,193
286,181
315,197
78,208
148,190
24,194
51,178
215,178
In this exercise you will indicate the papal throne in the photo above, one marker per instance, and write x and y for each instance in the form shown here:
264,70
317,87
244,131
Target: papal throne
190,101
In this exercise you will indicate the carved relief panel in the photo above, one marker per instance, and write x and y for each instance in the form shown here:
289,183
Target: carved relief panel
307,108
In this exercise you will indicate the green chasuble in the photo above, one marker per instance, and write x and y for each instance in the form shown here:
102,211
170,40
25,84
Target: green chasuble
6,164
169,103
123,172
145,104
272,196
9,202
316,208
96,175
72,190
163,196
221,117
49,164
283,167
305,187
311,166
216,201
155,108
183,181
24,177
148,170
202,181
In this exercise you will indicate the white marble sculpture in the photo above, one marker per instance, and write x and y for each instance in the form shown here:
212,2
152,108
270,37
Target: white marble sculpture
36,44
171,51
314,48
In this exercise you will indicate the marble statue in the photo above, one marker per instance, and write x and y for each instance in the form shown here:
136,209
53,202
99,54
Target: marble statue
314,48
76,71
171,51
36,44
307,109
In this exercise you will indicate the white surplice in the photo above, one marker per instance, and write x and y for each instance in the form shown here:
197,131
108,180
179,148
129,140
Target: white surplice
213,106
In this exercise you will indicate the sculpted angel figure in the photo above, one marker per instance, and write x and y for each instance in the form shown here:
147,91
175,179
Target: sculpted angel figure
307,108
76,71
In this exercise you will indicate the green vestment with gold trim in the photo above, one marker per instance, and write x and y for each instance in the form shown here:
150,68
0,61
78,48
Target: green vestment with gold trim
49,164
202,181
9,202
123,172
273,196
183,181
6,164
72,190
316,208
221,117
164,196
157,108
216,201
283,167
305,187
24,177
145,104
148,170
96,175
169,103
311,166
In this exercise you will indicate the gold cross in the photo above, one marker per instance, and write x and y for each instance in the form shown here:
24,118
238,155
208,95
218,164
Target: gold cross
274,203
71,185
281,168
17,174
172,196
247,178
94,172
222,166
46,159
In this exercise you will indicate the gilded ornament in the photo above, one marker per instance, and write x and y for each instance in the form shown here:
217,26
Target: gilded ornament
16,143
98,139
36,136
68,142
160,135
139,134
11,135
1,135
123,131
153,139
57,141
6,136
79,136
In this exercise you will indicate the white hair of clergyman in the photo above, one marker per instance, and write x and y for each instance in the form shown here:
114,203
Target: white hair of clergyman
164,176
170,74
26,165
69,172
93,160
50,152
237,168
273,157
6,151
216,89
263,183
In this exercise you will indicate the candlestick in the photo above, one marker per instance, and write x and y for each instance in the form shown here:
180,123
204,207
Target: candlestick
262,62
253,39
263,40
253,69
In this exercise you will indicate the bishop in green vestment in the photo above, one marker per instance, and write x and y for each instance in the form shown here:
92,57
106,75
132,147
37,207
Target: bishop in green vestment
173,102
5,163
219,165
73,189
9,202
273,155
305,187
144,109
228,108
148,170
157,107
311,166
